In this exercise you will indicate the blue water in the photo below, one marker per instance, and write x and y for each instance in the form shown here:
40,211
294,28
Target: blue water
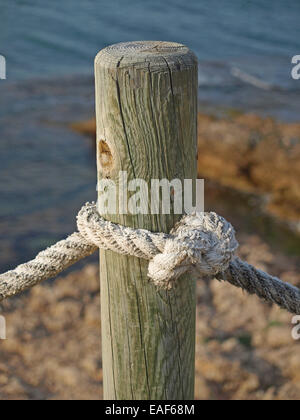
47,171
233,40
57,37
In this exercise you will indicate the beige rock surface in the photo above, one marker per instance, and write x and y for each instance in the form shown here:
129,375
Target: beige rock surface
244,346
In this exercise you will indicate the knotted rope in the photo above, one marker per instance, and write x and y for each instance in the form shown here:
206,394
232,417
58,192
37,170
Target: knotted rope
204,243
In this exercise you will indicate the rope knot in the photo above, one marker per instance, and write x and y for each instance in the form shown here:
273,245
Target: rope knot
202,241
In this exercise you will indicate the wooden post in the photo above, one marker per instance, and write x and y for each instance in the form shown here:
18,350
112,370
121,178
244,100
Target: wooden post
146,106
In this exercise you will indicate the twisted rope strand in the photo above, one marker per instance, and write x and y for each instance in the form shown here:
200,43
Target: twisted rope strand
47,264
204,242
255,281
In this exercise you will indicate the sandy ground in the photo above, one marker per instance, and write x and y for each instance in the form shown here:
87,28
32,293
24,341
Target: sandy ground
244,346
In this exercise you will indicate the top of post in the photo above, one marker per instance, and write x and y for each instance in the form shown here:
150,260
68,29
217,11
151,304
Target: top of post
142,53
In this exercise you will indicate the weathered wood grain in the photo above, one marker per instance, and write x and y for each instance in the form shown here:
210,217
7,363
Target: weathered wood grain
146,106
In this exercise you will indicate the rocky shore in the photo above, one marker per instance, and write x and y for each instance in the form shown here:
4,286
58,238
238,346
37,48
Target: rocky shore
245,348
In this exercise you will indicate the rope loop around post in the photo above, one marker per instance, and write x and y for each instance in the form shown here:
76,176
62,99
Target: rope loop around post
202,242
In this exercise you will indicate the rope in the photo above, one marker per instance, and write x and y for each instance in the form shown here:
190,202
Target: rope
255,281
47,264
204,243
